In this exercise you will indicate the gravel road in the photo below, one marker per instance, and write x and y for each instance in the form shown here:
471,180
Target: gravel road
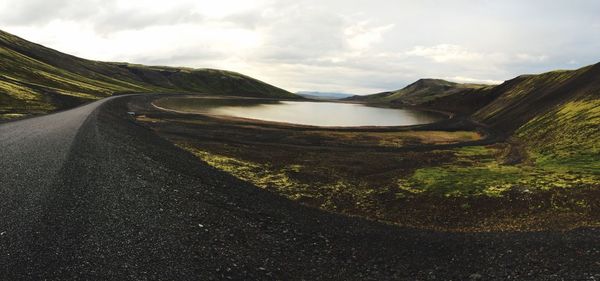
89,194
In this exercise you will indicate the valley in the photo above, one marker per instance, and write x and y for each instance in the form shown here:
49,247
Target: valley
451,176
115,171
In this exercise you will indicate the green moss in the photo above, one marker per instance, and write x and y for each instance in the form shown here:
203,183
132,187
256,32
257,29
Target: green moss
477,171
264,176
336,194
17,91
11,116
464,181
569,132
524,89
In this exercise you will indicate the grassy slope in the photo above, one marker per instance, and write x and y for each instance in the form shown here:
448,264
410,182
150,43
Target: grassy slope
35,79
563,131
556,116
552,125
528,96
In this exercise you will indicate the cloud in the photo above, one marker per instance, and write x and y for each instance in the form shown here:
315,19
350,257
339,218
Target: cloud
39,12
445,53
361,36
325,45
133,18
461,79
301,34
531,58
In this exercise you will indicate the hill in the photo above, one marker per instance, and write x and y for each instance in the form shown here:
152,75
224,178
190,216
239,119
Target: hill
422,91
35,79
324,95
505,107
555,115
550,120
528,96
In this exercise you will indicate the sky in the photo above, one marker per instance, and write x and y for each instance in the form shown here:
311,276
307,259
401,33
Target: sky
351,46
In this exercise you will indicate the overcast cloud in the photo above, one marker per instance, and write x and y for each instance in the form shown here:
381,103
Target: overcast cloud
359,46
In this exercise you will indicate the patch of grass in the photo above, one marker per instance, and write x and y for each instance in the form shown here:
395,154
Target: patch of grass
264,176
16,91
11,116
459,181
478,172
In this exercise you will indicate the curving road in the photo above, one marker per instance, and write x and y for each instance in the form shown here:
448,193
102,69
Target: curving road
33,151
88,194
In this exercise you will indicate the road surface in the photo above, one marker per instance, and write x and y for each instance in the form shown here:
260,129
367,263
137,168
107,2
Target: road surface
88,194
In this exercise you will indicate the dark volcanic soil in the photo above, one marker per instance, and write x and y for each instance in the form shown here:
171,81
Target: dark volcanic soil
128,205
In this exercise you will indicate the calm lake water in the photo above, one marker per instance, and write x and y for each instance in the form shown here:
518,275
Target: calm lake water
309,113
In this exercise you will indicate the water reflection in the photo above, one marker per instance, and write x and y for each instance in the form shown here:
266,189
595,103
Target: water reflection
312,113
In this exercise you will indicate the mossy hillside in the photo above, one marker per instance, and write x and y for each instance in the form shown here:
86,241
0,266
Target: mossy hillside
19,67
555,117
529,96
39,80
17,100
568,135
559,119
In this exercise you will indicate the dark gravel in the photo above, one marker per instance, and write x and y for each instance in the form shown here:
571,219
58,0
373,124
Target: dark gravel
89,194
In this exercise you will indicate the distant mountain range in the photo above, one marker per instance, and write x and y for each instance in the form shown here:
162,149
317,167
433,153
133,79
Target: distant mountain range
323,95
36,80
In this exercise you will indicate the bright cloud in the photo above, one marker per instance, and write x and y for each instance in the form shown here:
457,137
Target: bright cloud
361,36
445,53
461,79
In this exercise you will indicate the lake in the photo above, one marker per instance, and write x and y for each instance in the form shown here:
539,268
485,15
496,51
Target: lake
303,113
